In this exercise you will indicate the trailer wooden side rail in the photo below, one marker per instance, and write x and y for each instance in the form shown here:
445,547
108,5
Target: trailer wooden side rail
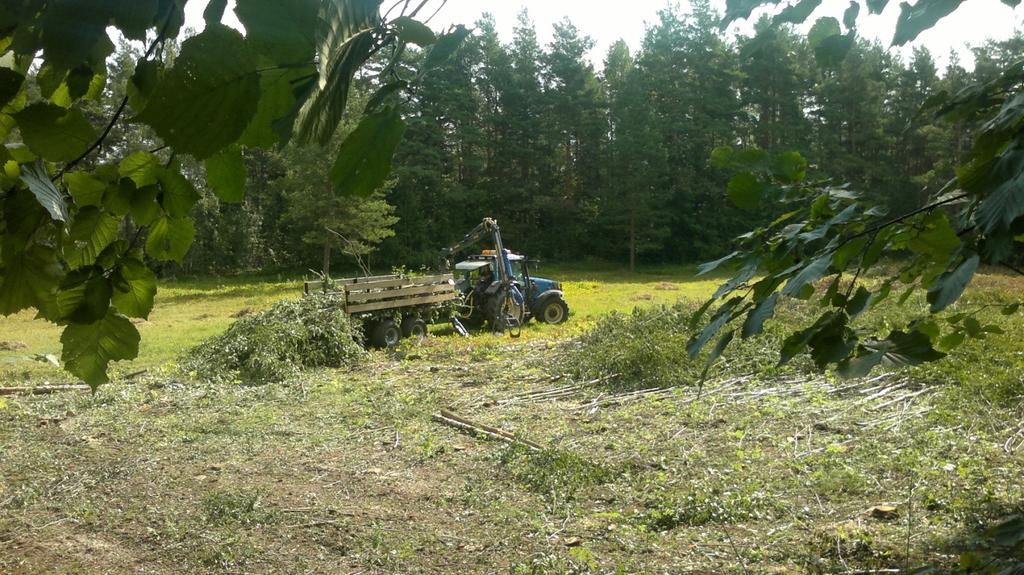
399,293
382,293
392,307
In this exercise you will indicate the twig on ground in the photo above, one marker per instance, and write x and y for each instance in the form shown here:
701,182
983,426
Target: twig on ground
41,389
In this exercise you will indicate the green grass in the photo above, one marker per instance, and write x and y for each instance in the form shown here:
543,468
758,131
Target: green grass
345,470
188,312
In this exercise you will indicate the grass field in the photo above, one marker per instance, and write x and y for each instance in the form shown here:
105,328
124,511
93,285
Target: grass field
346,471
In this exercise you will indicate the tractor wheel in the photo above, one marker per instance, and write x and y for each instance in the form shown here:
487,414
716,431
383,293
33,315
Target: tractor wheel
414,327
554,311
385,335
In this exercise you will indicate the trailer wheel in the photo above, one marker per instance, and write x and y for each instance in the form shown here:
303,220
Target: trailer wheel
414,327
385,334
554,311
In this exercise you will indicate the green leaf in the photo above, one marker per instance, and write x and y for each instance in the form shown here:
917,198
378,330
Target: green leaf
952,341
848,251
740,9
214,11
205,102
797,342
445,47
746,273
711,266
823,28
898,350
10,85
721,317
790,167
876,6
811,273
861,365
921,16
84,296
973,326
83,82
744,190
281,31
698,315
91,232
797,13
1010,309
385,95
859,302
832,343
48,196
905,349
345,45
364,159
170,238
413,31
951,285
49,79
850,15
134,288
135,17
178,195
225,173
144,82
85,189
70,31
277,99
765,309
935,238
119,197
144,205
89,348
1005,203
30,279
141,168
716,352
54,133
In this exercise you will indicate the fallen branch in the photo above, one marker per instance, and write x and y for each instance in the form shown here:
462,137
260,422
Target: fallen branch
41,389
625,397
449,418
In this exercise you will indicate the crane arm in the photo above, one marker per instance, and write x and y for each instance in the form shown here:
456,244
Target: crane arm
487,228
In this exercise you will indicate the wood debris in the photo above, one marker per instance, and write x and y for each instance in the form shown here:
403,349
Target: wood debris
452,419
40,389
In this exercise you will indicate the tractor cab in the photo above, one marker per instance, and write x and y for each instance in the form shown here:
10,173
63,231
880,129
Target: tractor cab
543,297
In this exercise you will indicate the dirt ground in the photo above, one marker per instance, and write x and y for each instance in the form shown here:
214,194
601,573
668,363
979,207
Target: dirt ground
348,472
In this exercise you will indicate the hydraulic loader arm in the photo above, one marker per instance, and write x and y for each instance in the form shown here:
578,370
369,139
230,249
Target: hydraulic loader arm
488,228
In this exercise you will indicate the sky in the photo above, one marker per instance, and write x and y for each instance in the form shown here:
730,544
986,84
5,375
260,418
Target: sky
606,22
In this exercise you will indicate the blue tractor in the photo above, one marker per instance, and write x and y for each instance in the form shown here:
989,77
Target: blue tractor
497,287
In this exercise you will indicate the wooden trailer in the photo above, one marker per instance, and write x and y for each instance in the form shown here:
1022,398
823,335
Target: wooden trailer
392,307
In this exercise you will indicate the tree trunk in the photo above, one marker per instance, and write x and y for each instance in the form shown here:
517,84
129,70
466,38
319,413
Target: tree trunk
327,259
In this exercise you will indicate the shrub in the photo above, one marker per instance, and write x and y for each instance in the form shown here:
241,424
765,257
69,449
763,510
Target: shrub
647,348
277,344
644,348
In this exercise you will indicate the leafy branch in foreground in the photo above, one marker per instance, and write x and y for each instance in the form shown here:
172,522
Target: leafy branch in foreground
830,234
73,241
